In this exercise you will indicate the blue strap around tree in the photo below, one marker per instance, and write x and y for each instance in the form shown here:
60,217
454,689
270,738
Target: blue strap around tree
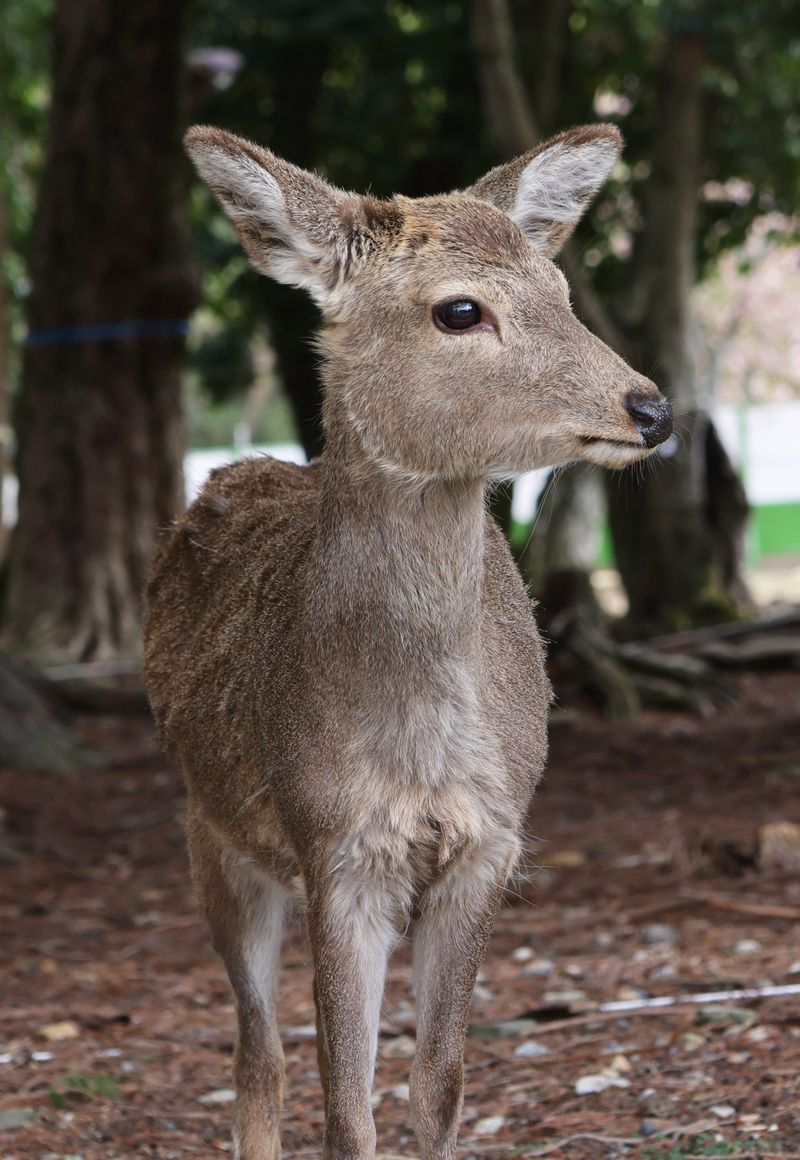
102,332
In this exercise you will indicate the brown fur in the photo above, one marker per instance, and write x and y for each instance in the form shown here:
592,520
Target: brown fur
342,657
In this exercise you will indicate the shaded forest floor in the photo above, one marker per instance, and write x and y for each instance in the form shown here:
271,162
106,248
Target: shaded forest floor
117,1025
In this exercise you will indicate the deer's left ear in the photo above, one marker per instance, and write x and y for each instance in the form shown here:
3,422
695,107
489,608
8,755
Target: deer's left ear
548,190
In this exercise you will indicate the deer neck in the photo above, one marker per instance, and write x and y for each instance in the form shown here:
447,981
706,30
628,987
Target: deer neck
398,565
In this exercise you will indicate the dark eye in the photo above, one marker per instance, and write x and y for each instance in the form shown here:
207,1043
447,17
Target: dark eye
459,314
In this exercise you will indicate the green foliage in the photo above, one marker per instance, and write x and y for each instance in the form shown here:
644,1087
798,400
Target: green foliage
73,1085
705,1145
385,96
24,69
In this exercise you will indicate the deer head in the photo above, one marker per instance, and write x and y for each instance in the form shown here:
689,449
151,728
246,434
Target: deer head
451,348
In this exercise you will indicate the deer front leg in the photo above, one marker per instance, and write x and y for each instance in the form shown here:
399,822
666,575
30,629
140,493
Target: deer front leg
244,909
449,946
353,925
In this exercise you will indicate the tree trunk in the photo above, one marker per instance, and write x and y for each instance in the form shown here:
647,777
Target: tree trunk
566,534
678,565
99,425
6,434
31,735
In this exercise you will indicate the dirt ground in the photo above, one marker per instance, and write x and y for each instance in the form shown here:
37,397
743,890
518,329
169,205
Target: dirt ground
117,1024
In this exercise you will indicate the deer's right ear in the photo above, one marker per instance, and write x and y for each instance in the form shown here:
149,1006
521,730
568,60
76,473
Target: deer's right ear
293,225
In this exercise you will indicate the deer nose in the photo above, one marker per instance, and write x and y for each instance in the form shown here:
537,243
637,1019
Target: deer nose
653,419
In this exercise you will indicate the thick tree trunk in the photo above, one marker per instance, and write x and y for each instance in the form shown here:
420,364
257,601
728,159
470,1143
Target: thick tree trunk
677,561
99,426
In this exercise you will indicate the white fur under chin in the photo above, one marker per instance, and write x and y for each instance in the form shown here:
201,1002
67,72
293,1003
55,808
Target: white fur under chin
613,455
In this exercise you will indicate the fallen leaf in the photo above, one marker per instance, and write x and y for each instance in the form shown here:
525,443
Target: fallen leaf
566,859
66,1029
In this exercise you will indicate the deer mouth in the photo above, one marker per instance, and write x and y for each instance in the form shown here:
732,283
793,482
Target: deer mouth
589,439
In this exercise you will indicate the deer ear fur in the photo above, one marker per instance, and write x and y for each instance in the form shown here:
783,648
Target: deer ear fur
294,226
548,190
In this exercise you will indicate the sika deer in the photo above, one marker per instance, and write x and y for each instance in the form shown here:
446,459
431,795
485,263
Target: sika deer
343,657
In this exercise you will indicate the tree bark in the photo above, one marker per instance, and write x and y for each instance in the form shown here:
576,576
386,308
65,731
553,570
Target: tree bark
508,111
99,423
31,735
678,523
6,434
677,557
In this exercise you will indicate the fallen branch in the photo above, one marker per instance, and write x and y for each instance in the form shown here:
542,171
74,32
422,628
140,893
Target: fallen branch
711,898
728,631
743,995
618,1141
740,905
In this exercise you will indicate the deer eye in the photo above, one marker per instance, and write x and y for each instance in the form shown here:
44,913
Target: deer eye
457,314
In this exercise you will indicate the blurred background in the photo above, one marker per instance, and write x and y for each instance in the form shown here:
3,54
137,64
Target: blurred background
138,350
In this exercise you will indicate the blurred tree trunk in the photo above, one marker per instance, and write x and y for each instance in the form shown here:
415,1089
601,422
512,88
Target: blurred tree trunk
676,536
558,541
6,435
565,540
678,521
99,424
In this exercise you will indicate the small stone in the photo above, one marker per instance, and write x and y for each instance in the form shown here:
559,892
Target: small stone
747,946
539,968
400,1091
402,1047
723,1111
522,954
721,1015
482,994
660,932
531,1049
505,1027
564,998
574,970
488,1126
218,1096
16,1117
652,1127
589,1085
41,1056
692,1041
621,1064
758,1034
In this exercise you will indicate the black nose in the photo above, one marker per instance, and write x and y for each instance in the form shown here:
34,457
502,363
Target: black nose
653,419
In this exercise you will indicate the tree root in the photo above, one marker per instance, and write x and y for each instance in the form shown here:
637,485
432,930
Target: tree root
31,734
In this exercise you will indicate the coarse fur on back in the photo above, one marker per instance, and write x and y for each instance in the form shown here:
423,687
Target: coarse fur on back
342,657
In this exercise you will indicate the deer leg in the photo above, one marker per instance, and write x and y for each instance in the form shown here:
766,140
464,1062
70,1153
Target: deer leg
353,928
449,946
245,908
